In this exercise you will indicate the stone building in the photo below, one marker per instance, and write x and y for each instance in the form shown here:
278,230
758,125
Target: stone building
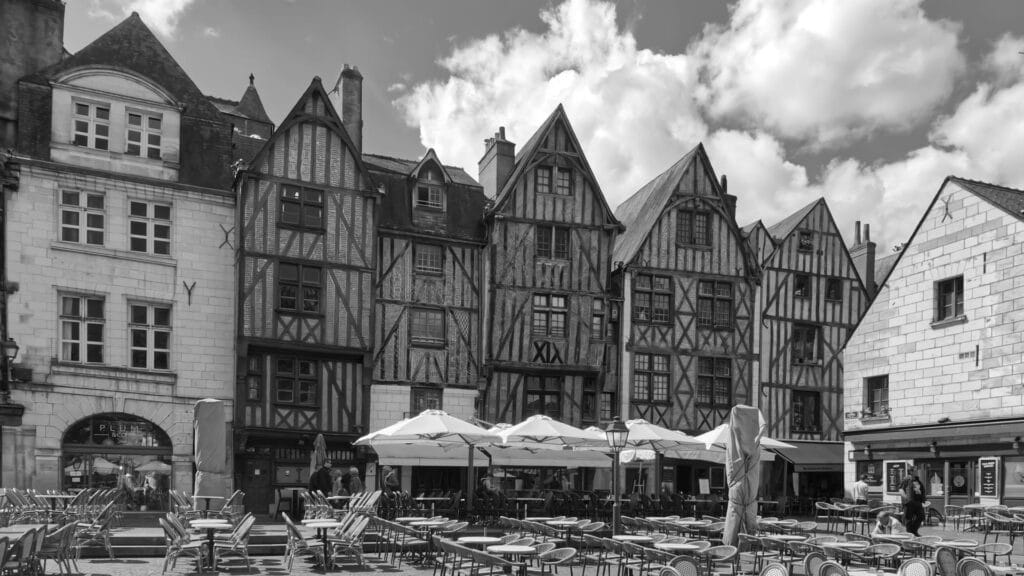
119,235
933,372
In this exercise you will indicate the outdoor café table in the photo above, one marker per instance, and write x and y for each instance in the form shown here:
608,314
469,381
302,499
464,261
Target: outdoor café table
634,538
678,547
512,550
211,526
206,512
897,538
19,529
407,519
1006,570
789,537
565,526
478,540
322,528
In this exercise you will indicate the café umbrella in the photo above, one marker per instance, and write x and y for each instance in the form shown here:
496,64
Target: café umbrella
720,435
436,428
645,435
540,431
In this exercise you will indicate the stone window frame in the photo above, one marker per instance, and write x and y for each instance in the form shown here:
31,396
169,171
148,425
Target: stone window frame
87,324
145,131
93,123
84,227
150,232
155,324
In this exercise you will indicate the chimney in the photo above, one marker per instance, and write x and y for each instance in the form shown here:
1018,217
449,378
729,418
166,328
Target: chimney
863,255
497,163
352,104
730,200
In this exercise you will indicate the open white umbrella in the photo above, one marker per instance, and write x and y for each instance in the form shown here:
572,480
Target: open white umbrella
720,437
643,434
540,431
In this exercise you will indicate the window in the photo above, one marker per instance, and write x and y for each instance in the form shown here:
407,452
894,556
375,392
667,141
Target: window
563,182
650,378
302,207
806,344
694,228
597,318
949,298
876,396
834,290
150,329
425,399
608,410
254,379
652,298
806,414
553,242
714,381
544,396
429,197
81,329
429,259
81,217
426,326
806,241
714,304
589,401
143,137
92,125
298,288
549,312
297,381
543,179
149,228
801,286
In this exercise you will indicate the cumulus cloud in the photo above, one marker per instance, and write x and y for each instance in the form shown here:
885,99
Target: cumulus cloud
883,67
211,32
160,15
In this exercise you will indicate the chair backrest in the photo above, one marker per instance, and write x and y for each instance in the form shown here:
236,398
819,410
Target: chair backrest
700,544
4,546
972,567
39,537
916,567
831,568
558,555
545,547
721,553
668,571
813,562
945,559
687,566
774,569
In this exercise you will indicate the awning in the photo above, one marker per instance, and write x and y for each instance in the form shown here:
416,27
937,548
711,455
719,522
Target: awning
540,458
814,456
419,455
716,456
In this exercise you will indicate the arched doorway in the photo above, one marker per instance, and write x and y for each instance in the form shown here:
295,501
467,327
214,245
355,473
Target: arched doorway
121,451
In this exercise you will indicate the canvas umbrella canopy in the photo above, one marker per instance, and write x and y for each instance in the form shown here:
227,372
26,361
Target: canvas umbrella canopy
742,471
643,434
437,428
155,466
319,455
720,437
540,431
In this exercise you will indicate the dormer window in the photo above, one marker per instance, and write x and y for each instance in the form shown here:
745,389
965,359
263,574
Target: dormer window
92,125
429,191
144,135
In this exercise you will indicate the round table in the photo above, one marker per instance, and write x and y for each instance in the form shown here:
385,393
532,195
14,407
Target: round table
478,540
676,546
631,538
407,519
898,537
512,550
788,537
322,527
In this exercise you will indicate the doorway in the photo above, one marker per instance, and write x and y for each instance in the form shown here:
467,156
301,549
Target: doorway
256,483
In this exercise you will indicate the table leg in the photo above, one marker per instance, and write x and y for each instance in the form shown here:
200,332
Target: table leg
328,561
209,538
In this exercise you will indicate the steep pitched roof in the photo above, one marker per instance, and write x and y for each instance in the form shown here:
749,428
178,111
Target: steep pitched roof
1010,200
641,211
251,106
750,227
131,46
883,266
406,167
530,148
783,229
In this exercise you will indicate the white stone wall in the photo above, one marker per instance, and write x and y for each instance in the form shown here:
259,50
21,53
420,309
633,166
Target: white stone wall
388,404
933,370
203,324
459,402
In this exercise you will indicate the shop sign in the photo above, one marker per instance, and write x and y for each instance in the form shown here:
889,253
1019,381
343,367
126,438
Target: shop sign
988,469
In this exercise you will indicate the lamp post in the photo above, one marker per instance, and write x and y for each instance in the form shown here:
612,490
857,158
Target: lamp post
617,434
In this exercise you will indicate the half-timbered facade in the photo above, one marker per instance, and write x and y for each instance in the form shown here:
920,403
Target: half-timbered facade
427,326
306,217
550,340
810,298
688,282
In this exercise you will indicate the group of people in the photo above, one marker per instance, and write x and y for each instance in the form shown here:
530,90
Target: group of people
334,482
912,497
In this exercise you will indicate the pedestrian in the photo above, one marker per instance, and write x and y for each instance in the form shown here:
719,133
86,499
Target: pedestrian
389,479
355,485
912,495
860,490
321,479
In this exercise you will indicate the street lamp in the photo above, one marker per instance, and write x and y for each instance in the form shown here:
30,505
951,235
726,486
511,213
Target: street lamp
9,348
617,434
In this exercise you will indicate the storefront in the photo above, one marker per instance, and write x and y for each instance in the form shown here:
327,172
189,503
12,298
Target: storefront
119,451
814,471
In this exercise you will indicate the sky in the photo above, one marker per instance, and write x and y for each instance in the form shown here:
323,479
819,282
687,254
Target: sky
869,104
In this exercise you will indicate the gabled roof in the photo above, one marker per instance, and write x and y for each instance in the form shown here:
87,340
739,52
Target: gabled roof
251,106
1010,200
641,211
749,228
883,266
132,47
783,229
407,167
530,148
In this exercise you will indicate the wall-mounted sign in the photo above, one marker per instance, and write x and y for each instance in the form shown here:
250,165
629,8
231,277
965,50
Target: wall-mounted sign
894,473
988,471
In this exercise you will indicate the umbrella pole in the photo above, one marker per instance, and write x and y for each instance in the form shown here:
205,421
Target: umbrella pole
469,481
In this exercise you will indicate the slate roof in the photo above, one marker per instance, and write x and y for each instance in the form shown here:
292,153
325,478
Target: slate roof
133,47
641,211
251,106
750,227
1009,199
883,266
784,228
405,167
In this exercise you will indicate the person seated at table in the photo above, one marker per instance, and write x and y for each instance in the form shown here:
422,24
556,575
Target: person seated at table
886,524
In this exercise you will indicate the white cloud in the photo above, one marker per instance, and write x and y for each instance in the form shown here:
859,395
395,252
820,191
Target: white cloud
826,70
211,32
160,15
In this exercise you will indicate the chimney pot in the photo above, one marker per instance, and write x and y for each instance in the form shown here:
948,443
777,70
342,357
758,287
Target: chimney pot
497,163
867,232
725,184
856,233
350,93
501,132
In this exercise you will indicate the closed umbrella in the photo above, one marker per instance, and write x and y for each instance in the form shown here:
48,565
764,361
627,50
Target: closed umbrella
742,472
319,455
210,449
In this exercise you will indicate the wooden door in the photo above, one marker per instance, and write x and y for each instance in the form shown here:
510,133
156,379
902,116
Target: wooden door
256,483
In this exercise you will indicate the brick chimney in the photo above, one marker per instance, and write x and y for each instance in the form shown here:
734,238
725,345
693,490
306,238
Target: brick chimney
863,254
497,163
730,200
352,104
